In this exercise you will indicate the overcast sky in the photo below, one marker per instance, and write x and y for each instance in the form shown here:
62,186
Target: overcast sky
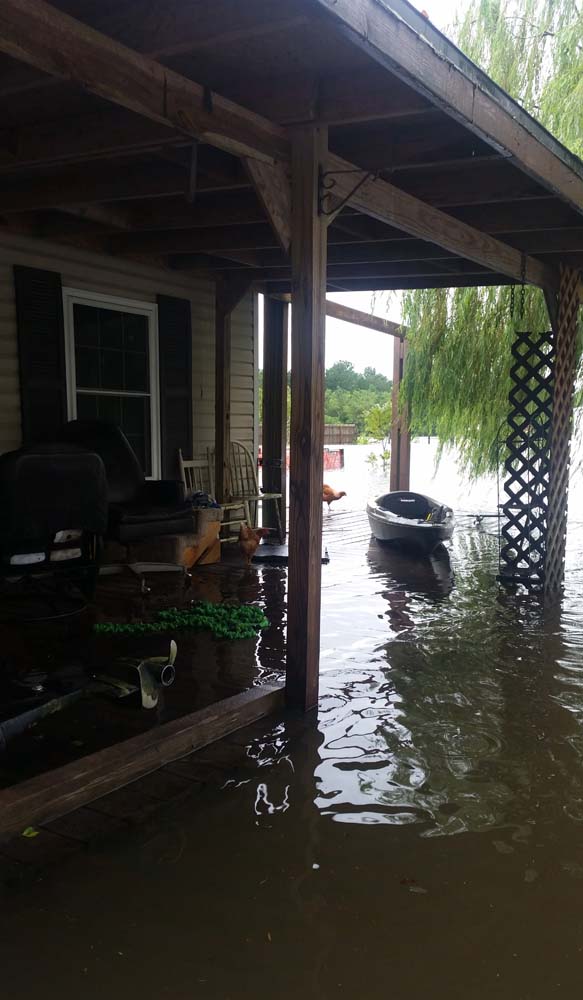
344,341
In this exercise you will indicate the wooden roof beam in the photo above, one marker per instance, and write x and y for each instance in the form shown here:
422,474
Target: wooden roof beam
40,35
36,33
165,30
359,318
395,44
391,205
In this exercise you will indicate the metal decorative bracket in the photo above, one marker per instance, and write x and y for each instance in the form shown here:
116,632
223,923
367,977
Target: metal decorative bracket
327,184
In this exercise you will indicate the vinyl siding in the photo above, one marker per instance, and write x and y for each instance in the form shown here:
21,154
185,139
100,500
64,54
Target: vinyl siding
92,272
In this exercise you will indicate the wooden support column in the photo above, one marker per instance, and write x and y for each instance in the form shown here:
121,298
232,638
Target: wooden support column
228,296
400,436
274,416
309,152
562,423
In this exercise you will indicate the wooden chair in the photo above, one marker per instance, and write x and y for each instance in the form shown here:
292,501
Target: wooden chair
244,487
195,474
198,476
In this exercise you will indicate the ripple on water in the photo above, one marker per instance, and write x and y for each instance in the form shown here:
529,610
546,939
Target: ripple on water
446,702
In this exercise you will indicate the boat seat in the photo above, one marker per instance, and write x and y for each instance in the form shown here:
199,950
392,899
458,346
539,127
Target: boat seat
411,505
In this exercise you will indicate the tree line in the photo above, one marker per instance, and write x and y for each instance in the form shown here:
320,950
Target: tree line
352,397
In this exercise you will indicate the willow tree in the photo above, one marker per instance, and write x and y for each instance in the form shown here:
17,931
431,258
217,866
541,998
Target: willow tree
457,376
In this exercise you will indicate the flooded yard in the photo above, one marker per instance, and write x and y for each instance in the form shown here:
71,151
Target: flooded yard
422,835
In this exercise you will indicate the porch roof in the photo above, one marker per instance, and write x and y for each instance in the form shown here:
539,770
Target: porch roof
437,177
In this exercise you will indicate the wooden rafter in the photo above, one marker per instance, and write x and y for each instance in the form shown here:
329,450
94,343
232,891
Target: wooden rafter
506,217
92,185
228,208
338,100
42,36
34,32
394,284
469,183
389,204
163,30
235,237
114,132
416,269
395,44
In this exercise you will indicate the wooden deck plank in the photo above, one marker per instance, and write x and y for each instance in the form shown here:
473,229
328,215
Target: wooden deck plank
130,802
39,850
85,825
51,795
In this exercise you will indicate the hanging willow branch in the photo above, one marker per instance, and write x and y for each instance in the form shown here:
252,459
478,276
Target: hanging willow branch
457,375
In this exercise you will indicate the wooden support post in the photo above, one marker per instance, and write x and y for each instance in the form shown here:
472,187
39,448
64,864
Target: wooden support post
400,436
228,295
309,152
562,421
274,416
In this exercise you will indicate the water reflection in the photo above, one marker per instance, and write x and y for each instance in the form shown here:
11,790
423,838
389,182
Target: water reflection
421,835
407,574
452,720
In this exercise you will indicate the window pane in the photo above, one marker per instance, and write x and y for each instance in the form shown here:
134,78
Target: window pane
136,427
134,414
112,370
86,407
87,367
109,408
86,323
112,353
136,372
135,332
111,328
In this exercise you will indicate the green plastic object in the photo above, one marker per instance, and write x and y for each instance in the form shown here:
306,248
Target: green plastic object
224,621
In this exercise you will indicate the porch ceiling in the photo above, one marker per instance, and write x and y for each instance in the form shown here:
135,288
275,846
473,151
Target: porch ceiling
101,165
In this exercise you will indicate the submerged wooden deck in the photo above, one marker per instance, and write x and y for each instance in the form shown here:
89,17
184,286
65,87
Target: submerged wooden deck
46,818
23,856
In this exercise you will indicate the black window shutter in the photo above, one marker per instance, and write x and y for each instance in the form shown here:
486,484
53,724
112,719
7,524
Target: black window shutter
41,352
175,360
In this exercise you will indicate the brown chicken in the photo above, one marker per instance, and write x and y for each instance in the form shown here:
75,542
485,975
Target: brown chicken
249,539
329,495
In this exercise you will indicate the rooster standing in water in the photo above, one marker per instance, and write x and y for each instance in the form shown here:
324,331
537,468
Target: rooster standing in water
329,495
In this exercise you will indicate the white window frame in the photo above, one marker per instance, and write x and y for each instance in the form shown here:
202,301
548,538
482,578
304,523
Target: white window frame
78,296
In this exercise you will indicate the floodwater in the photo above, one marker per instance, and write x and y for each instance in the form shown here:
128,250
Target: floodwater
422,836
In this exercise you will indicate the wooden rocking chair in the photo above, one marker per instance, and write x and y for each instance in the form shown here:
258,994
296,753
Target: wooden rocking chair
198,476
244,484
244,487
